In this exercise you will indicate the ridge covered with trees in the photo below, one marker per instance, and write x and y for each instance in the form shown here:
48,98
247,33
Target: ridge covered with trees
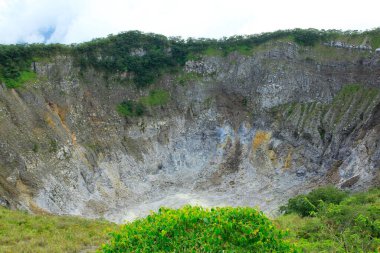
146,56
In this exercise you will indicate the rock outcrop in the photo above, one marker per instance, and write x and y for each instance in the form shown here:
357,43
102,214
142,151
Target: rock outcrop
340,44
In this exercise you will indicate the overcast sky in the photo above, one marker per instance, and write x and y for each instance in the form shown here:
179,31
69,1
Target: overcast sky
72,21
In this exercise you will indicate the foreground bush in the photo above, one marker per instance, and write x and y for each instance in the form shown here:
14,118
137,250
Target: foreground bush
194,229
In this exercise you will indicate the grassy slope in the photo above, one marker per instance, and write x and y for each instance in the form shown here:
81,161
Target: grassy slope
22,232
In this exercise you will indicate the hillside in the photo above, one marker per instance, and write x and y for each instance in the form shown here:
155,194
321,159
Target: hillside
117,126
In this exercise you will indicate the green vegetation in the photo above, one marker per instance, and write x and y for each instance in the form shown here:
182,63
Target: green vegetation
355,96
184,78
53,146
306,205
195,229
130,108
16,61
334,221
156,97
350,104
36,147
146,56
309,37
211,51
375,39
347,91
321,53
322,133
25,76
244,102
22,232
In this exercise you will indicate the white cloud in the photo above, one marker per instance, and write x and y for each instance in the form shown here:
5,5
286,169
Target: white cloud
71,21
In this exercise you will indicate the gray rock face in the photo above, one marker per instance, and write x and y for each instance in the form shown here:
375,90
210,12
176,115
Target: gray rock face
340,44
199,67
247,130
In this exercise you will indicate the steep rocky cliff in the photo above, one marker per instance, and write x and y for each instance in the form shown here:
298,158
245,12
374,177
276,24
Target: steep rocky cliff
241,129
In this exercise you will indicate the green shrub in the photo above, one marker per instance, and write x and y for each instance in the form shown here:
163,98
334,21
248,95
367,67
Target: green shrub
24,77
130,108
156,97
374,37
306,205
185,78
53,147
16,60
195,229
300,205
36,147
308,37
328,194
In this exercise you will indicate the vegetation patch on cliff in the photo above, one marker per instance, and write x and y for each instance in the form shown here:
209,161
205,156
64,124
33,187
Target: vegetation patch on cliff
16,61
131,108
24,77
156,97
349,106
